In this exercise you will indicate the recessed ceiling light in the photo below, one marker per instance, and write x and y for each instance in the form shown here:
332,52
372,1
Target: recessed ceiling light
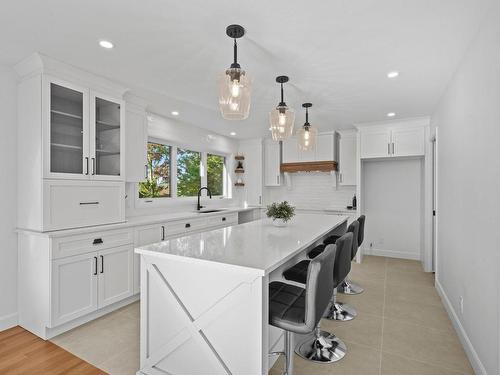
233,133
393,74
175,113
106,44
391,114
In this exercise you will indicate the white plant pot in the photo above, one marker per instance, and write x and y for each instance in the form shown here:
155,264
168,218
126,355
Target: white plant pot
279,223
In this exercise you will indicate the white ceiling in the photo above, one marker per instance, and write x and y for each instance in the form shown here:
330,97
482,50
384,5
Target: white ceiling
337,52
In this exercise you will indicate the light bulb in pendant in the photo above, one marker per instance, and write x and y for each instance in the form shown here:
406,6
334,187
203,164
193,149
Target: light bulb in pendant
306,135
282,119
233,106
235,88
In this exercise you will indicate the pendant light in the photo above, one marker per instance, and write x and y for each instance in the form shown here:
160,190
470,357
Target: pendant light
281,118
234,84
306,136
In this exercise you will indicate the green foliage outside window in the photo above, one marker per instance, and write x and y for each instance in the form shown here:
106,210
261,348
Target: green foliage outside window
215,174
188,173
158,182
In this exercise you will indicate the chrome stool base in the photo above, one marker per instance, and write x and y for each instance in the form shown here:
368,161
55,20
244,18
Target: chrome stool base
322,347
341,311
348,287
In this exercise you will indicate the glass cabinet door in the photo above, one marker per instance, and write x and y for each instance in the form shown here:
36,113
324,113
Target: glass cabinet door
107,138
67,131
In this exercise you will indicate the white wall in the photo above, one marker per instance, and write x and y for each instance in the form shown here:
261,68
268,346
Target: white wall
184,135
8,200
468,121
311,190
392,202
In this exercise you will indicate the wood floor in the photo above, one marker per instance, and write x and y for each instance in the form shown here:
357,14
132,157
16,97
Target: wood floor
21,352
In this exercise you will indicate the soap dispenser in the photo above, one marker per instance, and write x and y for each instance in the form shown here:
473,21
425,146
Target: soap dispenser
354,202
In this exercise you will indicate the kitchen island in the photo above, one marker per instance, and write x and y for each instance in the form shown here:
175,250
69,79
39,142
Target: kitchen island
204,296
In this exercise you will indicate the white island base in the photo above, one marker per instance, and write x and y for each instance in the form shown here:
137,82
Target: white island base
204,297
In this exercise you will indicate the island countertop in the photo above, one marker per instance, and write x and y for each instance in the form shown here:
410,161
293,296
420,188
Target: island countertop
257,245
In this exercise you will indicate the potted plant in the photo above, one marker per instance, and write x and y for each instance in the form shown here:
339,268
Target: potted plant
281,213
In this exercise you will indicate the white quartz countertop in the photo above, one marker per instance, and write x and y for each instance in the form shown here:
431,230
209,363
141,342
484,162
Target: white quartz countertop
257,245
135,221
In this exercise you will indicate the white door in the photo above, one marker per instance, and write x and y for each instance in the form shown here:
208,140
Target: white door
65,130
272,161
290,151
116,275
136,146
74,287
324,147
145,236
408,142
375,143
107,138
347,160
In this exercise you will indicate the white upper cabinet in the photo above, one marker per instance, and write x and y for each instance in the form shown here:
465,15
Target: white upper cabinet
83,135
272,163
136,144
375,143
347,162
251,149
404,139
408,142
322,152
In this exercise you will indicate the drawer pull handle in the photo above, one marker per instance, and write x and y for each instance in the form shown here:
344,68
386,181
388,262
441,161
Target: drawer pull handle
188,225
102,264
95,266
223,219
88,203
97,241
163,233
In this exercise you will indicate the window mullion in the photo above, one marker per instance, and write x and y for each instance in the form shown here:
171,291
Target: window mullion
173,177
204,170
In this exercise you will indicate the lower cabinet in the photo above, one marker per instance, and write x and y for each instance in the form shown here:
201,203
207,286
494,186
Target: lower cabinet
84,283
144,236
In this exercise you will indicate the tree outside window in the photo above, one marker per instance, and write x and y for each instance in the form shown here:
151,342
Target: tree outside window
188,173
215,174
158,182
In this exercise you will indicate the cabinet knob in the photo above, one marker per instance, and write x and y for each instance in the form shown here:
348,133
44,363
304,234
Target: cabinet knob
223,219
188,225
97,241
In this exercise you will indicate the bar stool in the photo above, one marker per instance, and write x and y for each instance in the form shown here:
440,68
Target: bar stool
299,310
324,346
347,286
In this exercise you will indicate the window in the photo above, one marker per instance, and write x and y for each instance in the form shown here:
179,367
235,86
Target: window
159,165
188,172
215,173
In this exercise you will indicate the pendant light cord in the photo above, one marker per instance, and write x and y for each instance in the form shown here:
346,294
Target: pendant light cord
282,101
235,52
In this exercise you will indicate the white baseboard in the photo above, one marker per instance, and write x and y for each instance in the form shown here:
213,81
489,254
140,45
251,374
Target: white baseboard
462,335
392,254
8,321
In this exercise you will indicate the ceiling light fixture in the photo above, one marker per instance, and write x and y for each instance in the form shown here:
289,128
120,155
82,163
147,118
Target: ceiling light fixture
234,84
281,118
233,133
393,74
391,114
307,134
175,113
106,44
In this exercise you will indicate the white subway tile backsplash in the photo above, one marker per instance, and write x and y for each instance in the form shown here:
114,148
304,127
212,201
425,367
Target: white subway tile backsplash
311,190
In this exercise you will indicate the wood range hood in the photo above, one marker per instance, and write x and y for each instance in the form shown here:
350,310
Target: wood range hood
309,166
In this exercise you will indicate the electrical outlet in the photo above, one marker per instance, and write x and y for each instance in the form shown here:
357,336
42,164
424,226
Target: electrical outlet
461,302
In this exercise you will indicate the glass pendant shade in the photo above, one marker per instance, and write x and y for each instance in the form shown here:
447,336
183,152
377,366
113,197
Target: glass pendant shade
282,120
234,94
307,135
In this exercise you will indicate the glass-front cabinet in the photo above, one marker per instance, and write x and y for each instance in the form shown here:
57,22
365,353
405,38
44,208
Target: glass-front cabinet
84,132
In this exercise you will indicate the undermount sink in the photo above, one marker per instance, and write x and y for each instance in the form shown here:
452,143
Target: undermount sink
209,211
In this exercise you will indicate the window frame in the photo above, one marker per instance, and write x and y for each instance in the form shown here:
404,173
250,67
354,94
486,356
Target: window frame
174,199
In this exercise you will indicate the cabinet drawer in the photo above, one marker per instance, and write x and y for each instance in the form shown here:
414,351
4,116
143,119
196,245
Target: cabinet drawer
86,243
184,226
73,204
220,220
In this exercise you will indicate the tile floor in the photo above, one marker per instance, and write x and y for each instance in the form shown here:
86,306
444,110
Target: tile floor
402,328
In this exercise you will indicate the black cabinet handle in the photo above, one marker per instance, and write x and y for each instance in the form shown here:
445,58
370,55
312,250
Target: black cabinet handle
102,264
88,203
163,233
97,241
188,225
93,166
95,266
223,219
87,165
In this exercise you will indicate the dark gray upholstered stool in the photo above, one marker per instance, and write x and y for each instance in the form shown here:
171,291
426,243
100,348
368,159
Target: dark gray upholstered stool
299,310
327,347
347,286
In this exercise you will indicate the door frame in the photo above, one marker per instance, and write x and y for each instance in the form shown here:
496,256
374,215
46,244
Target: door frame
435,195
